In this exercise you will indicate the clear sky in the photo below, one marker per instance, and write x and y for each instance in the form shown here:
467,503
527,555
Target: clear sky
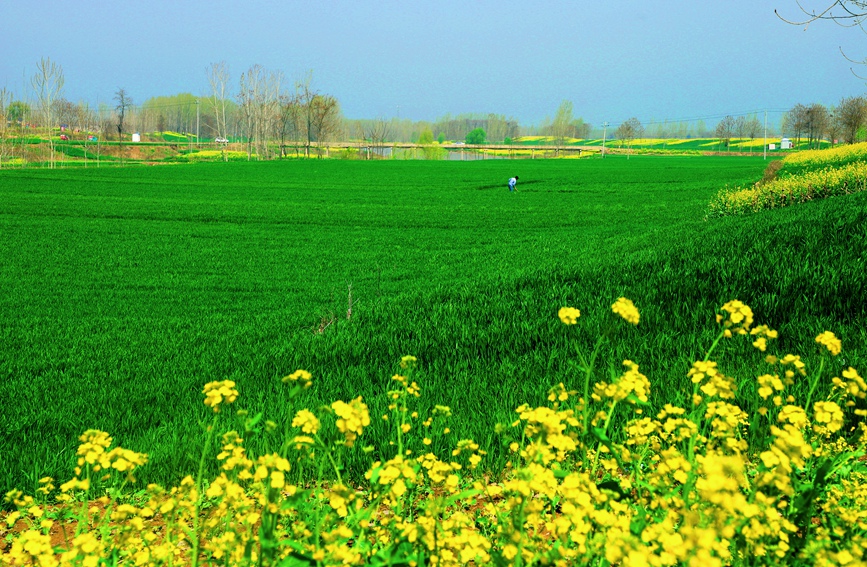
420,59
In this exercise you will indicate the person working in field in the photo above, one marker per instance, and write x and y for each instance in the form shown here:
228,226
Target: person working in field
512,183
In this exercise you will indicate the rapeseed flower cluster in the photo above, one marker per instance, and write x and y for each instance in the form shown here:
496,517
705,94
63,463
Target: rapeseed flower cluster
594,477
352,418
626,309
736,318
837,156
831,342
797,188
569,315
219,392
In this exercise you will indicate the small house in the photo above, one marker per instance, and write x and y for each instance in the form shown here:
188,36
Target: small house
785,144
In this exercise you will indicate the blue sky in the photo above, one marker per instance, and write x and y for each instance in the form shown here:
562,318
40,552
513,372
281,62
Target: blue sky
653,59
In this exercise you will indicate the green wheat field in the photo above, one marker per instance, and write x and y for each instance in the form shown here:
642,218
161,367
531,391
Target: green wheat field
123,291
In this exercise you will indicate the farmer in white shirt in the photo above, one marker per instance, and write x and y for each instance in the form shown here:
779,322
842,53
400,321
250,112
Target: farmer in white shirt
512,182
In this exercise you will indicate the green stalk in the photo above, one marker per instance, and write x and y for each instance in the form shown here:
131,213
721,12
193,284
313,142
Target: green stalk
197,507
604,432
713,346
814,381
588,372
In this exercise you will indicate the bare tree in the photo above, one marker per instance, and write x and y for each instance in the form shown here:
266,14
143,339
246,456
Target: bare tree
740,129
124,102
851,116
218,77
5,99
325,122
258,102
795,120
48,85
752,128
561,126
628,132
834,128
320,113
86,123
378,132
725,131
248,94
289,123
816,120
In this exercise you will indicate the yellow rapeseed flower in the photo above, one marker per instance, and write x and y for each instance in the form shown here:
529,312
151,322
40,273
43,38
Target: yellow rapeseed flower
569,315
626,309
831,342
302,377
827,417
307,421
738,317
219,392
352,418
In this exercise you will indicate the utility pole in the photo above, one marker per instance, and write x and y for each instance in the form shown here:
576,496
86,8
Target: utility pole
197,122
766,136
604,130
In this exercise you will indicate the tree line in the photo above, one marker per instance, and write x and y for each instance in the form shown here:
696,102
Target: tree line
271,118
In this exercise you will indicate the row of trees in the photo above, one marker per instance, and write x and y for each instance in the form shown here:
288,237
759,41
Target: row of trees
271,118
844,122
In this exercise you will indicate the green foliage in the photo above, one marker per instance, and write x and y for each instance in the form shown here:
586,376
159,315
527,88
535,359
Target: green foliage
441,138
426,137
171,276
17,111
477,136
214,155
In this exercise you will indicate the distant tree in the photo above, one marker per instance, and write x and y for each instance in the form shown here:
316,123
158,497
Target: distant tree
581,129
85,121
258,102
426,137
628,131
124,102
326,119
320,113
64,111
218,78
378,132
562,126
441,138
476,136
753,128
851,115
725,131
429,149
48,85
289,122
834,130
816,120
5,99
740,128
174,112
17,111
794,122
